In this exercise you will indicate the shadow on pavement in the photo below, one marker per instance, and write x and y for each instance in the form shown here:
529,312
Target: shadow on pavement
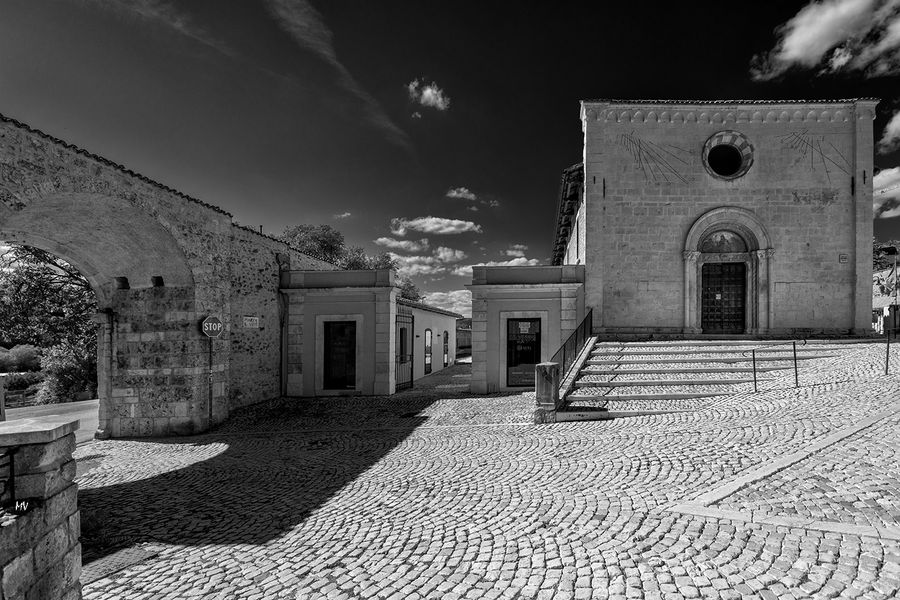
276,469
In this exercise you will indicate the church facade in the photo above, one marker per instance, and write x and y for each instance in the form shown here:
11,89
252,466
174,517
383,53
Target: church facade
698,218
744,217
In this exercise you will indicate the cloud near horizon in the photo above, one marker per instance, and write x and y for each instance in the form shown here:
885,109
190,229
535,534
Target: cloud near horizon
516,250
521,261
436,264
343,215
886,193
407,245
435,225
464,193
458,301
890,138
840,35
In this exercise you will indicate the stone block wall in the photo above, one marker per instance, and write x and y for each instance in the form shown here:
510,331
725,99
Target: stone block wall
255,364
809,185
40,555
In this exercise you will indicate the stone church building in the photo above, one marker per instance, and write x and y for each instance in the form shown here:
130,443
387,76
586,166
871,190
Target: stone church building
691,219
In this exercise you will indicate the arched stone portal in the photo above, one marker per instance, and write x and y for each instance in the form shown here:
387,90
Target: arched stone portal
159,262
729,246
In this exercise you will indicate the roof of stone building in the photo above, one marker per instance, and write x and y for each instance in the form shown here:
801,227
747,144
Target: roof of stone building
789,101
428,307
569,197
109,163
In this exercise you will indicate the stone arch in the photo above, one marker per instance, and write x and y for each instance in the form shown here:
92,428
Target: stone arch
158,262
758,257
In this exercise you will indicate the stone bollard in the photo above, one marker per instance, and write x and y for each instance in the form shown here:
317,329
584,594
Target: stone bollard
546,391
40,554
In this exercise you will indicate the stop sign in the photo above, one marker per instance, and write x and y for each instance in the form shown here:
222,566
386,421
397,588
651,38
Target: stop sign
212,327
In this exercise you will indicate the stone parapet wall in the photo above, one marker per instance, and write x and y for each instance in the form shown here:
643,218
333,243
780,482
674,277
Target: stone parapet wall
40,554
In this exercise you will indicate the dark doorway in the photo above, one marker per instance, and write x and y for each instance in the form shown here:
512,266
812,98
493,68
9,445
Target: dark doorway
340,355
403,364
446,349
724,290
523,351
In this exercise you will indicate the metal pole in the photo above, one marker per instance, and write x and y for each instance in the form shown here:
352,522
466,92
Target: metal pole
754,370
796,374
210,411
887,352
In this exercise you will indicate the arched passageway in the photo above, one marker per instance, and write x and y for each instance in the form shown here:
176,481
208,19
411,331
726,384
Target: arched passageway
159,262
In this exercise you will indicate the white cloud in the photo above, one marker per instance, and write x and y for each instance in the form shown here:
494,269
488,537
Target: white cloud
464,193
890,139
516,250
521,261
472,208
412,266
428,94
886,196
449,255
854,35
461,192
437,225
343,215
408,245
435,264
458,301
417,115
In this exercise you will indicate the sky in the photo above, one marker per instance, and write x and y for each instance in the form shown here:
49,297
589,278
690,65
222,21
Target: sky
434,130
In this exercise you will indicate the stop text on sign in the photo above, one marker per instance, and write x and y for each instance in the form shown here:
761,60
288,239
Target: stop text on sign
212,327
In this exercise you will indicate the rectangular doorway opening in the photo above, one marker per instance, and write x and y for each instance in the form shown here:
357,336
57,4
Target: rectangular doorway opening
724,290
523,351
340,355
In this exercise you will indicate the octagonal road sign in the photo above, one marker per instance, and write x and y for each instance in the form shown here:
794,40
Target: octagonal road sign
212,326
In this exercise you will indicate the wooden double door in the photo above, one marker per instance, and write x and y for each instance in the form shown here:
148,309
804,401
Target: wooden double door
723,297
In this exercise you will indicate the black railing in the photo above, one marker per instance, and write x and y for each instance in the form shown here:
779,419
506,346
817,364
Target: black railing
753,358
568,352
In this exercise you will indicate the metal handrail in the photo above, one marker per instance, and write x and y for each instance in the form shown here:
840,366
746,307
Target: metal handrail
753,355
571,348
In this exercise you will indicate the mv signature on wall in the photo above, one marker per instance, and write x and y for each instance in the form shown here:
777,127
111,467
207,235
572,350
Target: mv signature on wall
658,162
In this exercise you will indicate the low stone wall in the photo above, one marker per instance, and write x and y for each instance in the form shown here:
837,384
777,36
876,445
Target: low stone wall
39,549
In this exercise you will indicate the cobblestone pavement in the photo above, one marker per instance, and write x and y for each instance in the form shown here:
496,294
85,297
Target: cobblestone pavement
438,494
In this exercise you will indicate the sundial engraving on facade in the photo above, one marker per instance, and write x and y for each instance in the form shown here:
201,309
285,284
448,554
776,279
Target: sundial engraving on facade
659,162
816,152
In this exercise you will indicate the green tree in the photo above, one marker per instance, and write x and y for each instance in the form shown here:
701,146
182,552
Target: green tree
327,242
46,302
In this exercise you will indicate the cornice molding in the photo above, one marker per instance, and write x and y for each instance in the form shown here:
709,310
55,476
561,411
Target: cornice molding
717,116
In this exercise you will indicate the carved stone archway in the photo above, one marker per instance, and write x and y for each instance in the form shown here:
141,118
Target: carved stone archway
757,257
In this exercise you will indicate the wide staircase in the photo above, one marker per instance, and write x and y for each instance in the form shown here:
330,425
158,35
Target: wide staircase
649,377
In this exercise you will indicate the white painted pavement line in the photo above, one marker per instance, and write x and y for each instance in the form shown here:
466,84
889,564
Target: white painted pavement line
700,506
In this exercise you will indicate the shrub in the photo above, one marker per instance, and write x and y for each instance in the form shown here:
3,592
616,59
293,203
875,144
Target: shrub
67,372
23,381
21,358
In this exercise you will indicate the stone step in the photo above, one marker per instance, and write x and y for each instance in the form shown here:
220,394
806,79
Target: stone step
729,360
688,352
627,397
589,371
702,343
601,414
581,383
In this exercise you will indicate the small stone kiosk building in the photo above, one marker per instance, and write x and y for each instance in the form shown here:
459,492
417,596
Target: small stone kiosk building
349,333
690,219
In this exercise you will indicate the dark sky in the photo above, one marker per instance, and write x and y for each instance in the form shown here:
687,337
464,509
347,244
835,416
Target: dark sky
285,112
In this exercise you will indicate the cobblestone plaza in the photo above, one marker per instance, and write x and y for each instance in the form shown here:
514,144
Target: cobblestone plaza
434,493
